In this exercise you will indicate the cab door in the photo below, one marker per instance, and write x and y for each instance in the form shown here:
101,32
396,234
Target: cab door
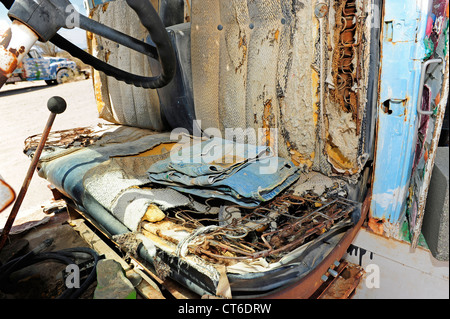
414,57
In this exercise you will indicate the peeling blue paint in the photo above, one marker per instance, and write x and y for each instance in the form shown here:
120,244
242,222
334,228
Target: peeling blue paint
403,51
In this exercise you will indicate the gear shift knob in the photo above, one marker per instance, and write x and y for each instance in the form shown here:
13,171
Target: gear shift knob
56,105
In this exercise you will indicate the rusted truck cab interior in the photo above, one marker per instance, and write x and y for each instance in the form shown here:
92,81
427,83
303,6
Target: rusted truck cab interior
297,80
298,77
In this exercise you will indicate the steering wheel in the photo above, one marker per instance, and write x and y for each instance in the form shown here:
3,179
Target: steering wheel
164,52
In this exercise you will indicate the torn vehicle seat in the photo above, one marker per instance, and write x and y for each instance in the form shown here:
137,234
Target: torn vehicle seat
108,181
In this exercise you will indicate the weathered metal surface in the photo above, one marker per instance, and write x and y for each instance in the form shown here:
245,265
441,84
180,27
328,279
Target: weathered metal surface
14,45
76,137
404,26
345,77
7,59
8,63
342,284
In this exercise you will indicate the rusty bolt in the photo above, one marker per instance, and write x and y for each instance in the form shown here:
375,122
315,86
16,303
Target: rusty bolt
333,272
321,10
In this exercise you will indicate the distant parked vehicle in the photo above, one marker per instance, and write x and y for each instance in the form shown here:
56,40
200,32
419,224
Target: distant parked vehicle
53,70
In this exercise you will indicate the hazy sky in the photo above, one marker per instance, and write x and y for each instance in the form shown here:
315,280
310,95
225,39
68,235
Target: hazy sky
76,36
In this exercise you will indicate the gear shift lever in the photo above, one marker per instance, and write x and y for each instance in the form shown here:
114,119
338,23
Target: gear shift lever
56,105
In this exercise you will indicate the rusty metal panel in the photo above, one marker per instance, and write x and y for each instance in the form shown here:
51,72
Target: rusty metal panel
15,43
342,283
8,60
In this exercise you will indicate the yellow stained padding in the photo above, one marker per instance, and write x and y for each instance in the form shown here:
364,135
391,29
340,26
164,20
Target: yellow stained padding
153,214
338,159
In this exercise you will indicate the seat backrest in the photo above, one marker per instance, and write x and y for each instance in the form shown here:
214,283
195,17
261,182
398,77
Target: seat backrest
260,65
290,74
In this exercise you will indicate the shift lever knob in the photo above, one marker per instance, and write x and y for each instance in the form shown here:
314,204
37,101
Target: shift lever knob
56,105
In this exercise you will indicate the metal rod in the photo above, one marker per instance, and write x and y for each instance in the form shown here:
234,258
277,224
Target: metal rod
56,105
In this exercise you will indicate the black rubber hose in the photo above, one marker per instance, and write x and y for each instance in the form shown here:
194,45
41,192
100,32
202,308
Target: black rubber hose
75,293
65,256
18,262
